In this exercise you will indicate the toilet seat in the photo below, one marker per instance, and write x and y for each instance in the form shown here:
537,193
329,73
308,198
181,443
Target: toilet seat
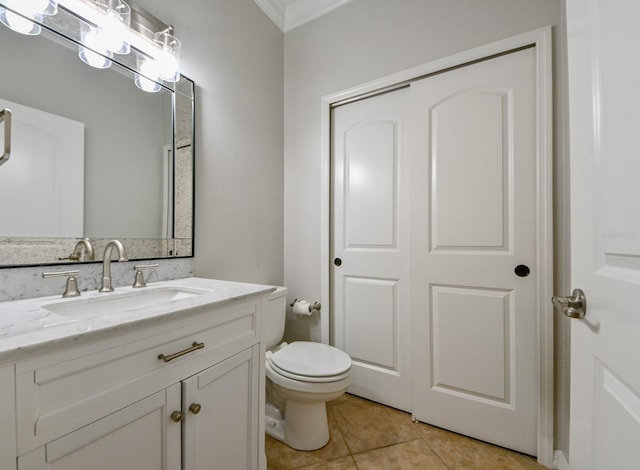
304,378
310,362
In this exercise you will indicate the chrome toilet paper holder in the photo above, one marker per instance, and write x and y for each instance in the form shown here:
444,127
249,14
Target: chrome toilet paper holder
314,306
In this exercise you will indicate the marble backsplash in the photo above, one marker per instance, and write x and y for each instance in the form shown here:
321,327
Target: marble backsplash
17,251
24,283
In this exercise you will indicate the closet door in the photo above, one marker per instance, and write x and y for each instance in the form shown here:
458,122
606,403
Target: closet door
370,246
473,245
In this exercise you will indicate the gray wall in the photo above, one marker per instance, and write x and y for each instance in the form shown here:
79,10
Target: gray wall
363,41
234,53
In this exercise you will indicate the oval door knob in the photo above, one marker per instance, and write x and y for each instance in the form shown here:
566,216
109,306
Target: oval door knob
337,262
195,408
522,270
574,306
177,416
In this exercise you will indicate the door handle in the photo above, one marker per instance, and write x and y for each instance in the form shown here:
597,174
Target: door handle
574,306
522,270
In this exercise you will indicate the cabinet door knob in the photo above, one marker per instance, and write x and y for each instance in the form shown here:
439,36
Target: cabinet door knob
195,408
177,416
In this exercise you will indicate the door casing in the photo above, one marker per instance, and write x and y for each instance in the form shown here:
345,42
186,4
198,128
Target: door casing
541,39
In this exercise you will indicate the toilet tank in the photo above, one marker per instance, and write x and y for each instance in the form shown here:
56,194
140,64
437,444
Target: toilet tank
274,317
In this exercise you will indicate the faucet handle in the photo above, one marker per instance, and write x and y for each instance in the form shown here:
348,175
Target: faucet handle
71,289
139,281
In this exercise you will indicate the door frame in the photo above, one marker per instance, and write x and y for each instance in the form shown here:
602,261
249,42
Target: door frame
541,40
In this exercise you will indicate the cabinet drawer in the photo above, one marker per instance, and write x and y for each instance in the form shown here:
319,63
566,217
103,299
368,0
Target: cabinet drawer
55,398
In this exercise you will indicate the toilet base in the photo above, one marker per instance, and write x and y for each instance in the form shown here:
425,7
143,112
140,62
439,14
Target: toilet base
304,426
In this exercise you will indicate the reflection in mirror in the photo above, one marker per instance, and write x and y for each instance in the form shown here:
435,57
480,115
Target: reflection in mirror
93,156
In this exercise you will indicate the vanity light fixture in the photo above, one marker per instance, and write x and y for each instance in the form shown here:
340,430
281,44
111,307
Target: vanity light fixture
103,29
29,12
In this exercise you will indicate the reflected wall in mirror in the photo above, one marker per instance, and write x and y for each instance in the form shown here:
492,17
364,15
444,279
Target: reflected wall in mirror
93,156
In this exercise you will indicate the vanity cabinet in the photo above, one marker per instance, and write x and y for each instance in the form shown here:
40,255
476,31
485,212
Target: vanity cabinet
182,394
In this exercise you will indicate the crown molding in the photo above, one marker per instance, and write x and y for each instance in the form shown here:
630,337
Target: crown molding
275,10
289,14
300,12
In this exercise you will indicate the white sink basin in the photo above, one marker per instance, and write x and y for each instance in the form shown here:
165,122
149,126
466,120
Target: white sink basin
113,303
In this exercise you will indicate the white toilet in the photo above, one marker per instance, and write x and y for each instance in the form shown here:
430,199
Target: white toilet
301,378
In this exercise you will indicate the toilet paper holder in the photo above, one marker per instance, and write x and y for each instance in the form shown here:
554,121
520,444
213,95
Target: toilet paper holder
314,306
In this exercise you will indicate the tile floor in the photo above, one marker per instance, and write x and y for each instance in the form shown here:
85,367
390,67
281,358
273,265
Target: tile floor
368,436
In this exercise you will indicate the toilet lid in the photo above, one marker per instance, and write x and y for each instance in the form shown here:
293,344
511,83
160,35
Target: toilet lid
304,358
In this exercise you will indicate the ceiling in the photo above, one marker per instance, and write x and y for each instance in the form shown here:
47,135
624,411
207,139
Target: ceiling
289,14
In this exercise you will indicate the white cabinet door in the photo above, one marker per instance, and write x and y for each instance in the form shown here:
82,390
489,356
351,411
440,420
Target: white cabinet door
220,429
141,436
7,423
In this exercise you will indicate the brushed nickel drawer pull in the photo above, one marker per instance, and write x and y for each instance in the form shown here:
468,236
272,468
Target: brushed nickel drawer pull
171,357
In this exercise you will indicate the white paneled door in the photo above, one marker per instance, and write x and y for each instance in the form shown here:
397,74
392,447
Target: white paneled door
473,263
434,231
604,72
371,246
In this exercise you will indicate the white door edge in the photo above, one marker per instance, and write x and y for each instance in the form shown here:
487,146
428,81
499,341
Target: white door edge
541,39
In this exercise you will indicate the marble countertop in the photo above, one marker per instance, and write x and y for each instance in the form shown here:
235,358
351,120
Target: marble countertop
27,327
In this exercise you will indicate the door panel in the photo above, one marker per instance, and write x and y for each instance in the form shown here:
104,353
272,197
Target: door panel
370,236
370,185
604,70
471,343
474,217
44,179
378,298
473,132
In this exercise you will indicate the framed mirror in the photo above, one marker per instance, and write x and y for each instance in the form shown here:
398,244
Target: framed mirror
93,156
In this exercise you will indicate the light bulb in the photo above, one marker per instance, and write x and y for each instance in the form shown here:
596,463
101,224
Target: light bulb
25,14
169,54
149,68
35,6
113,27
168,65
95,54
94,59
19,24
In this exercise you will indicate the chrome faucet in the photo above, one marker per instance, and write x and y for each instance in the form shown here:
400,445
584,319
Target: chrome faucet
106,263
83,245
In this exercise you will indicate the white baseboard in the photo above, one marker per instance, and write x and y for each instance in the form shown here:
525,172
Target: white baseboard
559,461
